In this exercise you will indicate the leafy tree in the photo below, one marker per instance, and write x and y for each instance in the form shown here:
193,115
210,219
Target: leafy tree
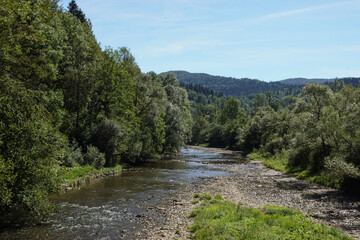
232,110
30,148
78,74
26,43
199,131
177,118
311,145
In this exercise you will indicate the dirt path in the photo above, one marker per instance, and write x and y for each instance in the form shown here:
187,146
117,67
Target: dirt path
255,185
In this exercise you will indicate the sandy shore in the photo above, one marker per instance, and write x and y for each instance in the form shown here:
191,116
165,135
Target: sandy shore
255,185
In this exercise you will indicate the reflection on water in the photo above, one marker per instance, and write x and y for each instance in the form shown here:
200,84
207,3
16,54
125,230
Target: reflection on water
108,208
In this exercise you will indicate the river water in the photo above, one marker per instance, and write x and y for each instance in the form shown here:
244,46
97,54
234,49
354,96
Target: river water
110,208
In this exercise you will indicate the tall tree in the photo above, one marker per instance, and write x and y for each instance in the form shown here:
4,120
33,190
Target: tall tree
74,9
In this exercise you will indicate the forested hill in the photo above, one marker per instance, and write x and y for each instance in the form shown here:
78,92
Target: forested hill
302,81
236,87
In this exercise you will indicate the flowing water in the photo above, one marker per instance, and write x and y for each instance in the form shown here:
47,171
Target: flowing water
110,208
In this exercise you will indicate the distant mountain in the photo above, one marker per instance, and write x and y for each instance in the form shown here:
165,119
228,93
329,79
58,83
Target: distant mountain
237,87
303,81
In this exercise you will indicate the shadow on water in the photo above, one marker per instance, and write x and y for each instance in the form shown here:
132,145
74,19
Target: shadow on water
110,208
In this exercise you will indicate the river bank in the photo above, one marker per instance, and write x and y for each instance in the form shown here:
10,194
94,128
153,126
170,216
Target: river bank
78,176
254,185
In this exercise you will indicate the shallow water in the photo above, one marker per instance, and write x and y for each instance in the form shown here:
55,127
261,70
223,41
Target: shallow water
109,208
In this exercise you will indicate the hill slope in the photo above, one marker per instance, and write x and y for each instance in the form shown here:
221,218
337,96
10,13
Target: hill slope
236,87
303,81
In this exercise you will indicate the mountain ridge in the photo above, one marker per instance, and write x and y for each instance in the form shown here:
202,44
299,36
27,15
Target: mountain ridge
246,86
234,86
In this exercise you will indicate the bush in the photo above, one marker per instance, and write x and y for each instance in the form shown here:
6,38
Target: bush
73,156
346,174
107,137
94,157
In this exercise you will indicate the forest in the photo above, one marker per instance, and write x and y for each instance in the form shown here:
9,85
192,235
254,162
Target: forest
65,102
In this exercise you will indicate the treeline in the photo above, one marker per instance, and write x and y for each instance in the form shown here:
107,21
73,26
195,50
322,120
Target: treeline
316,134
65,102
237,87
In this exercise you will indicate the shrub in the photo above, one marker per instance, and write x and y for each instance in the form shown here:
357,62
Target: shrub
94,157
73,156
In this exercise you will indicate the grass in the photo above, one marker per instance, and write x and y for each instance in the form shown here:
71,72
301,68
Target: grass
220,219
280,161
83,173
203,145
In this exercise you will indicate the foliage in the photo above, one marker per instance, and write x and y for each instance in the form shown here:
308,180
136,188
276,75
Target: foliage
221,219
30,147
94,157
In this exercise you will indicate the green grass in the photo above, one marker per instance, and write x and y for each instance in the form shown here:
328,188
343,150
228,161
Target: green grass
221,219
71,175
203,145
280,161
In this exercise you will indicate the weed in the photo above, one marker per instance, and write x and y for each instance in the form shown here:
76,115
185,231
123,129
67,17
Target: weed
195,201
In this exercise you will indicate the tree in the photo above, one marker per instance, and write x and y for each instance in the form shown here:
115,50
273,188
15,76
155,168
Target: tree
30,148
78,76
199,130
311,146
27,50
177,118
232,110
74,9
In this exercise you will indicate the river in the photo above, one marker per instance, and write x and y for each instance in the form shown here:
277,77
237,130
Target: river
111,208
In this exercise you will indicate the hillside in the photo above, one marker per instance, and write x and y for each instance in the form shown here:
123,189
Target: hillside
236,87
303,81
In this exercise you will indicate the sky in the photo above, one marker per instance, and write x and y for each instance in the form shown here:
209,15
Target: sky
268,40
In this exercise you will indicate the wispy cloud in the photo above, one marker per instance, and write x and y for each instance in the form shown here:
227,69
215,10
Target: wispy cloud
306,10
179,47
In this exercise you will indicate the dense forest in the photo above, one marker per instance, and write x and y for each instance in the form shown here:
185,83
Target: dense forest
237,87
66,102
249,88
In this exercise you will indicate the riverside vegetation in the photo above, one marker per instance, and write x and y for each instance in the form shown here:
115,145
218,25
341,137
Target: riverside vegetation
215,218
68,108
314,135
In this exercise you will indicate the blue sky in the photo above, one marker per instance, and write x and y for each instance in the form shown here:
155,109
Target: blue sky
262,39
